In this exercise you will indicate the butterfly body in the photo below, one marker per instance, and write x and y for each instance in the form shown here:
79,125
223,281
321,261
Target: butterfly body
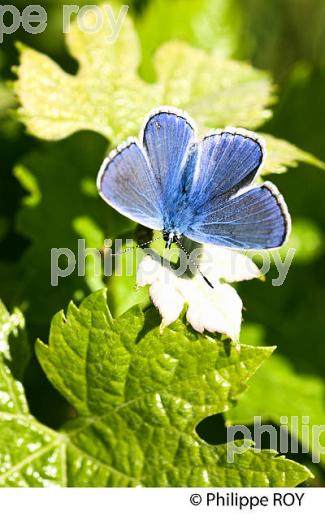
171,181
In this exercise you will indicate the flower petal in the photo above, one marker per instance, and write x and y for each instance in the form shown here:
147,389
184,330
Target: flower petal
217,309
168,300
228,264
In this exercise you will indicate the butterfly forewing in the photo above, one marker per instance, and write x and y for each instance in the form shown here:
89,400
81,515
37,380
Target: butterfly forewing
201,190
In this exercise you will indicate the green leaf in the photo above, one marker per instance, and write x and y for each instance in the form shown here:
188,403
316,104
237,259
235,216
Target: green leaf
282,155
14,345
139,395
108,96
216,91
276,391
30,454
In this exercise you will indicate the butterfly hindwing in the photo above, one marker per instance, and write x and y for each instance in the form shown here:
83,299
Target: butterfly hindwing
255,219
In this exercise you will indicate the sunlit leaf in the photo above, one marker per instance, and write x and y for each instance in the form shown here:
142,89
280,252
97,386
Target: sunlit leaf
282,155
30,453
109,97
14,345
139,396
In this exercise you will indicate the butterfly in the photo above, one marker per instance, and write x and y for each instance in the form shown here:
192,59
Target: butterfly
204,190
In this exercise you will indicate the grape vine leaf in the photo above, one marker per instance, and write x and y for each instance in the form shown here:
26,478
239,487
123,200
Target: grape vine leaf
108,96
289,394
24,443
282,155
139,395
29,452
14,345
214,90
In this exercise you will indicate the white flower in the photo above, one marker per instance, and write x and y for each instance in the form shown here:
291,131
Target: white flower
217,309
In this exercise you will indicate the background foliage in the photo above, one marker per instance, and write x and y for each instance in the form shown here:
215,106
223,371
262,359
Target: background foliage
48,199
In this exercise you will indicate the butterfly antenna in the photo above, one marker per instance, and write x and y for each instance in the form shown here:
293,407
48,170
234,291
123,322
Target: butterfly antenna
193,263
136,247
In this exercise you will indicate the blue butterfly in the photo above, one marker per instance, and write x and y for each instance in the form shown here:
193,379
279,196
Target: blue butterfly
202,189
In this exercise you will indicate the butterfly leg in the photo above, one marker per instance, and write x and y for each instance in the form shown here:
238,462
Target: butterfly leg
169,238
